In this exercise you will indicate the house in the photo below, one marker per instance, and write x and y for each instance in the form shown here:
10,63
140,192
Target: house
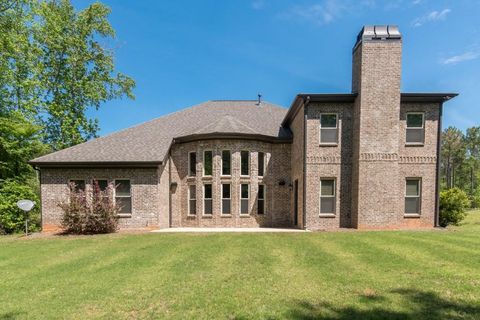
368,159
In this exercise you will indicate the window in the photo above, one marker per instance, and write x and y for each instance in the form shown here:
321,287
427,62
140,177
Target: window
77,185
261,164
261,199
207,199
415,128
101,184
207,163
192,164
226,163
327,196
244,163
328,128
412,195
192,200
226,198
244,196
123,196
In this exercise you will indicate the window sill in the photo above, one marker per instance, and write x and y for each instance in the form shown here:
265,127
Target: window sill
226,215
327,215
191,178
411,215
244,176
328,144
124,215
225,177
244,215
207,216
191,216
207,177
414,144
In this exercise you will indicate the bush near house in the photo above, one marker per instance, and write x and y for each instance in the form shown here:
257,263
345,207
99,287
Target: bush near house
90,213
453,205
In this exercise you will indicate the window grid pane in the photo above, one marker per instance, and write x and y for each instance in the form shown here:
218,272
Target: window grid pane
207,196
122,188
327,196
414,120
328,120
415,135
261,199
226,162
208,163
77,185
244,159
328,135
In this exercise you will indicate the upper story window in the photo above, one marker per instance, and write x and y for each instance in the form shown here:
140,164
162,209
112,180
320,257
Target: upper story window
226,163
327,196
123,196
261,164
207,163
244,163
328,128
413,193
192,164
415,128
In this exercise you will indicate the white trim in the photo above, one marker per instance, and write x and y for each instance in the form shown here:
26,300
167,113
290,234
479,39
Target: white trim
189,174
203,199
328,128
189,199
203,163
249,164
222,198
248,198
415,128
221,163
334,196
131,195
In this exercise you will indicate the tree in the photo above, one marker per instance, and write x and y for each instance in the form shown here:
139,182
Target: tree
453,205
472,145
453,153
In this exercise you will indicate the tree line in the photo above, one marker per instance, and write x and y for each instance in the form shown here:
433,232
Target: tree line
56,63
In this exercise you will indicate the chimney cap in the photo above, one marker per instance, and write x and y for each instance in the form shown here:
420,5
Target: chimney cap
378,32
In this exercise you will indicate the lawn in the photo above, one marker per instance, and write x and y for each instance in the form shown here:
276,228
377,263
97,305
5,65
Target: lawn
328,275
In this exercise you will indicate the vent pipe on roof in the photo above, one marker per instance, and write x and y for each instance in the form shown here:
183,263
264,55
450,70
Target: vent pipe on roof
259,102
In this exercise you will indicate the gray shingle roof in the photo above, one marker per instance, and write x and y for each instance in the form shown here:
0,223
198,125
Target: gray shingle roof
150,141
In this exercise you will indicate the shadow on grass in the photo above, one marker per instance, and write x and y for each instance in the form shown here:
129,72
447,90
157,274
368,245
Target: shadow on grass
11,315
422,305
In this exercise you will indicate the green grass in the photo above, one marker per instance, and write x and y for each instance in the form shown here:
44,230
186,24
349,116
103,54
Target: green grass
336,275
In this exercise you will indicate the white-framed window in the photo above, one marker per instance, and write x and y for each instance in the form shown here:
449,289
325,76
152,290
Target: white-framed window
207,162
207,199
226,163
261,164
76,185
123,196
244,163
415,128
226,198
192,199
413,192
102,184
192,164
244,198
327,196
329,128
261,199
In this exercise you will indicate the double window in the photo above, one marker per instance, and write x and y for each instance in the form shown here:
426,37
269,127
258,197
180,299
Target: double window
123,196
327,196
208,163
244,198
413,193
329,128
415,128
261,199
192,200
244,163
226,163
207,199
226,198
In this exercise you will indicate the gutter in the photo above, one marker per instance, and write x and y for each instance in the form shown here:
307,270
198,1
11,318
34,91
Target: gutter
437,185
306,101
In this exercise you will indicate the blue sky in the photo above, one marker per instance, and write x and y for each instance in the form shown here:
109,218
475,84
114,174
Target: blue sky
185,52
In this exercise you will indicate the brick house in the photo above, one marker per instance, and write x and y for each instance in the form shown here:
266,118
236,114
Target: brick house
365,159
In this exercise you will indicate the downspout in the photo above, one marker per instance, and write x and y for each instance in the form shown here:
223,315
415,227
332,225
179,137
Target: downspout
169,188
437,185
304,198
39,178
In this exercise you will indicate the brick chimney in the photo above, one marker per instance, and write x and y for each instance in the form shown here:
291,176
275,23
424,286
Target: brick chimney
376,79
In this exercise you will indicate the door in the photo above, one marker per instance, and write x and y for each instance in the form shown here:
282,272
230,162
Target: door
295,203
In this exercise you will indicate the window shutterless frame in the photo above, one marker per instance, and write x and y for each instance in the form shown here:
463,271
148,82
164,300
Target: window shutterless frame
413,196
226,202
192,200
261,164
327,196
328,133
244,163
207,163
123,196
415,128
226,163
244,199
192,164
207,199
261,199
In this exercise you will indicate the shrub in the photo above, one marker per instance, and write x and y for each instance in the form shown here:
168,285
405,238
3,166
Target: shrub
475,198
90,215
453,204
12,219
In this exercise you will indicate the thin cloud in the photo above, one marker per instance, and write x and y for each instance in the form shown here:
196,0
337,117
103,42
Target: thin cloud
466,56
431,17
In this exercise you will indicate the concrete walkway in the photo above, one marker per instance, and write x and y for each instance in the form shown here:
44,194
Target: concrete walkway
198,230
